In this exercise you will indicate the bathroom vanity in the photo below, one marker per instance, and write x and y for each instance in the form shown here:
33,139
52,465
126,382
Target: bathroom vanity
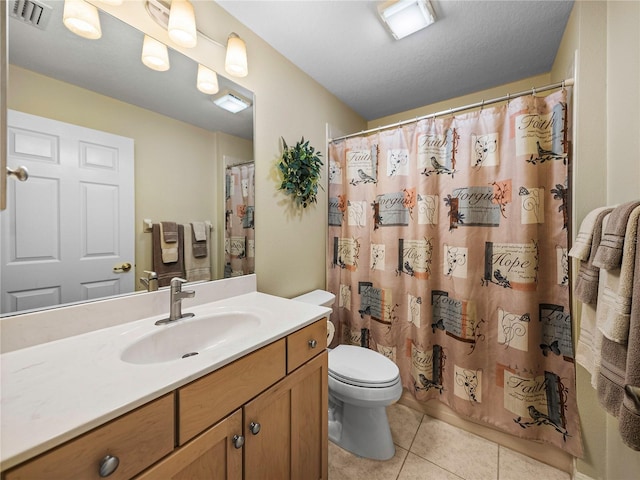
255,407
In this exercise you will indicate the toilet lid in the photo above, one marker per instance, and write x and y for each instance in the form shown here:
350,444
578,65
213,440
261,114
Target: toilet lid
362,367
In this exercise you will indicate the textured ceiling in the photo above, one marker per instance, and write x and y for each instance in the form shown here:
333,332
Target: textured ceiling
473,45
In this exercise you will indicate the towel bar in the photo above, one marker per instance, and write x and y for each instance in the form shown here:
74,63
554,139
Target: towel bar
147,225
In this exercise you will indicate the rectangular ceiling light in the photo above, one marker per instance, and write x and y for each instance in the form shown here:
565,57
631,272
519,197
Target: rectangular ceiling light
404,17
231,101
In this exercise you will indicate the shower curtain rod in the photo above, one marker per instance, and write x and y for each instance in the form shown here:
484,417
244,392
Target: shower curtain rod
565,83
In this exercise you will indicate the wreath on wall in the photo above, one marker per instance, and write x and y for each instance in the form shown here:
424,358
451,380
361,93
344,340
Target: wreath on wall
300,169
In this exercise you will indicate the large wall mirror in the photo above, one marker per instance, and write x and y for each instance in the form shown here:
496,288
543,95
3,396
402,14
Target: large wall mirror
182,144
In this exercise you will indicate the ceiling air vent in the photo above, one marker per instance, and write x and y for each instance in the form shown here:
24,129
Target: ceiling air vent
31,12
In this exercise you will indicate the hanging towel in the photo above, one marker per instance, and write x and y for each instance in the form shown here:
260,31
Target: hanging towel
609,254
582,245
169,230
196,268
586,287
619,379
629,418
586,347
199,239
199,231
616,322
166,271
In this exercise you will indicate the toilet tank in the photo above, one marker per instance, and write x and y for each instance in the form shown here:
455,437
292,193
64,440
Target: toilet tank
317,297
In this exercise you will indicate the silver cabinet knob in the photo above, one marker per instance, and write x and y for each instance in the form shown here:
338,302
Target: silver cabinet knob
108,465
254,427
238,441
313,343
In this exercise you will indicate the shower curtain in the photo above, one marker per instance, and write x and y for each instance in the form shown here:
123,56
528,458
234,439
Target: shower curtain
447,253
239,220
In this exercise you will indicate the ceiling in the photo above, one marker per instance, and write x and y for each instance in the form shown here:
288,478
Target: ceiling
472,46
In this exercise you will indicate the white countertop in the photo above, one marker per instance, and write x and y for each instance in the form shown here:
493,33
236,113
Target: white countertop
54,391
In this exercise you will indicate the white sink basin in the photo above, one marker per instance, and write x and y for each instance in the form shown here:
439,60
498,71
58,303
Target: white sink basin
191,336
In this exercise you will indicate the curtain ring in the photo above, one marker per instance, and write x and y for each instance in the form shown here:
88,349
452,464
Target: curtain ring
482,105
533,90
563,85
508,98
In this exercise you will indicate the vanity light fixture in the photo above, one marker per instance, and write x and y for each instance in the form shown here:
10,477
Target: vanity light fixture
207,80
155,54
231,101
236,56
82,19
182,24
235,62
404,17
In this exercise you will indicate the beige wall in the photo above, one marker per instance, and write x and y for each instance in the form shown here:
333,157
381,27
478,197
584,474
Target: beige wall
290,244
177,176
606,37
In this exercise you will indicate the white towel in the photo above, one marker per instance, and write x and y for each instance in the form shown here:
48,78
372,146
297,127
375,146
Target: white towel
196,269
615,325
582,246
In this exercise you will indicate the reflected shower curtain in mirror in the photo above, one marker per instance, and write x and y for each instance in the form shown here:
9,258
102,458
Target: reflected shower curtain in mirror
447,253
239,221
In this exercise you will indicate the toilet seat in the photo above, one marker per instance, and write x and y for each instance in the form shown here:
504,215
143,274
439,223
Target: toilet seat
362,367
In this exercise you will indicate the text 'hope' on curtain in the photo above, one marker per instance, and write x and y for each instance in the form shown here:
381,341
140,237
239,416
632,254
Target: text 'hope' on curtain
447,253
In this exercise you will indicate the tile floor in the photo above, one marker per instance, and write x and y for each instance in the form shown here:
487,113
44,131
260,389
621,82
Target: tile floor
430,449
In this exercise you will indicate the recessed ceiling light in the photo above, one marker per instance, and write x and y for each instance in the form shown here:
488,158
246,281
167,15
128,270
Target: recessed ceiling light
404,17
232,101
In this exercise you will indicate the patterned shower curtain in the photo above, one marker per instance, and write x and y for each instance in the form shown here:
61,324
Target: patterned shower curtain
447,253
239,221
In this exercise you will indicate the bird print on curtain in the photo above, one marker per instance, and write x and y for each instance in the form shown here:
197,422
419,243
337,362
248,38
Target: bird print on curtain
447,253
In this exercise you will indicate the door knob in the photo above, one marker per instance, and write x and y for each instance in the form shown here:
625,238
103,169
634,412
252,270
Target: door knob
313,343
254,427
21,173
122,268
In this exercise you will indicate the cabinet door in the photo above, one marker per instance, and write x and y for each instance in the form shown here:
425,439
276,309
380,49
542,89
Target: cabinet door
215,454
267,434
292,439
309,410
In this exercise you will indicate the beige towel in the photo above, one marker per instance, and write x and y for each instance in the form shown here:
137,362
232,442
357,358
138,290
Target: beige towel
169,248
199,239
616,322
166,271
609,254
582,245
196,268
199,231
586,285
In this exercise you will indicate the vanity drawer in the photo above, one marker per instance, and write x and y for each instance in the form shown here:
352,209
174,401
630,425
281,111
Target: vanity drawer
306,343
137,439
208,399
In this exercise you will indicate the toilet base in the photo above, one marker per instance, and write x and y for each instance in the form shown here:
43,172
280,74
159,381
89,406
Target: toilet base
362,431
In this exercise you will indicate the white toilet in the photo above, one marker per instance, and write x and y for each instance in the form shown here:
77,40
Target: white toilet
362,383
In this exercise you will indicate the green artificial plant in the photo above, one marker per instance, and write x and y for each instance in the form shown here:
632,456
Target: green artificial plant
300,168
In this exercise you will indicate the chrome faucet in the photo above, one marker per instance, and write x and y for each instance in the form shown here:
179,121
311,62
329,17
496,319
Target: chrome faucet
150,282
176,297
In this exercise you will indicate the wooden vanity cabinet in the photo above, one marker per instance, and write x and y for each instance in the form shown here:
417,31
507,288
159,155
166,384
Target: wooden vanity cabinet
263,416
138,439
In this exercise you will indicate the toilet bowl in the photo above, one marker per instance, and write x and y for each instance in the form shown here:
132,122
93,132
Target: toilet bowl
362,383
